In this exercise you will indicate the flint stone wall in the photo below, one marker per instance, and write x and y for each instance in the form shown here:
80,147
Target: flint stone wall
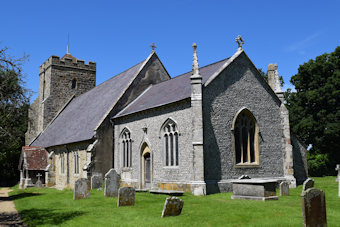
235,88
153,119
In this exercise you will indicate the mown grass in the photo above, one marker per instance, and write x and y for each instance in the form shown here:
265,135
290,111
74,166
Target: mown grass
48,207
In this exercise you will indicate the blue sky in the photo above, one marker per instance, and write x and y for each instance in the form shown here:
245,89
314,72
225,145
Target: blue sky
117,34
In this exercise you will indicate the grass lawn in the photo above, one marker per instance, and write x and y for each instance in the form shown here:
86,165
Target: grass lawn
46,207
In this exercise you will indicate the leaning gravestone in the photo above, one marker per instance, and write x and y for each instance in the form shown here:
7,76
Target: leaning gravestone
313,207
112,182
172,207
81,189
309,183
284,188
126,196
96,181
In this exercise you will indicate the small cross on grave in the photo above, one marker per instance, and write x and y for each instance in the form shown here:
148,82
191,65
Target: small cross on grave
153,46
338,169
39,175
239,41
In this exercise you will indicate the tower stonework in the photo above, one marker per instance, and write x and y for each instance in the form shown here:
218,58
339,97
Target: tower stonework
59,81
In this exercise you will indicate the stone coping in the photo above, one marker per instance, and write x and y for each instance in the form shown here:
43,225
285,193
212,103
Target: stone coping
167,192
254,181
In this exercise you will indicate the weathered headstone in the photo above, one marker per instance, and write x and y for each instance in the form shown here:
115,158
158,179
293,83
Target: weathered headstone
172,207
244,177
81,189
38,183
309,183
313,207
112,182
337,168
126,196
284,188
96,181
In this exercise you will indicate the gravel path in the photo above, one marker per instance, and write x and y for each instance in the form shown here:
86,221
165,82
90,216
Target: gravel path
9,216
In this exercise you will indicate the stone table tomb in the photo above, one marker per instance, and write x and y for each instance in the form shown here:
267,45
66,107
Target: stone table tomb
255,189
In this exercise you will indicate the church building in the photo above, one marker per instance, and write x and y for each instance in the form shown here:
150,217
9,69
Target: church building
194,132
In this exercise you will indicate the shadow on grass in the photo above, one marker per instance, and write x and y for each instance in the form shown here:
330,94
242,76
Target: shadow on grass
19,196
34,217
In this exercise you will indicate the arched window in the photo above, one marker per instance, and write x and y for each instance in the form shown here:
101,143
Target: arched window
74,83
126,147
170,137
246,139
76,162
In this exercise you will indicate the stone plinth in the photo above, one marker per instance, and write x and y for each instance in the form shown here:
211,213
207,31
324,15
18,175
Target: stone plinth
254,189
313,207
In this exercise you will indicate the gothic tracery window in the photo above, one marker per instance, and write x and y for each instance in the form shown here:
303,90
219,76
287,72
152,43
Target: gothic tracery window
126,148
246,139
170,136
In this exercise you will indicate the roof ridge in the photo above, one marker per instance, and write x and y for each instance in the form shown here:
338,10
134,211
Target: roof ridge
115,76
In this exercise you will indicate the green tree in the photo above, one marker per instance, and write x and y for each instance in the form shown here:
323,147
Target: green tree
14,103
315,111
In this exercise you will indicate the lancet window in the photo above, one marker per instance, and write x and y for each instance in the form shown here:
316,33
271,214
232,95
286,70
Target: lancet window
126,147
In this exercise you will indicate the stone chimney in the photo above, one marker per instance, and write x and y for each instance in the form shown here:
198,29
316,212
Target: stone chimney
198,186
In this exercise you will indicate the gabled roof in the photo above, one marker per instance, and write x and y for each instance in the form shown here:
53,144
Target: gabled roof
82,115
173,90
33,158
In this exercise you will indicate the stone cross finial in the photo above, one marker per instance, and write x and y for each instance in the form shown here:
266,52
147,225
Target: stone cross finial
239,41
39,175
195,67
338,169
153,47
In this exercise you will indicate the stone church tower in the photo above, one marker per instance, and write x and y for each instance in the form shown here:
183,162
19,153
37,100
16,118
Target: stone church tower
60,80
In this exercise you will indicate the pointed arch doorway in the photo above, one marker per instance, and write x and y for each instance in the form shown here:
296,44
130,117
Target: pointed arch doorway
146,166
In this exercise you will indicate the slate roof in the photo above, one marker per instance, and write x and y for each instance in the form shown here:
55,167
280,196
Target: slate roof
81,116
35,157
173,90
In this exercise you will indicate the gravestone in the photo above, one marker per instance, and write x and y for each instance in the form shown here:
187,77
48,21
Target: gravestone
284,188
244,177
309,183
126,196
96,181
81,189
112,182
337,168
313,207
38,183
172,207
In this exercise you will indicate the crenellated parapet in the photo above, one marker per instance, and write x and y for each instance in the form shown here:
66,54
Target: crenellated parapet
67,61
